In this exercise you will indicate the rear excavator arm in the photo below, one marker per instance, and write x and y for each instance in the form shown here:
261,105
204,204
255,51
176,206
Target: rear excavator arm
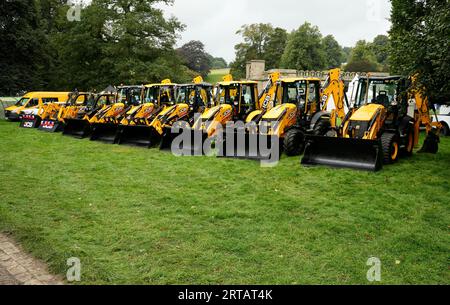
334,88
268,94
423,117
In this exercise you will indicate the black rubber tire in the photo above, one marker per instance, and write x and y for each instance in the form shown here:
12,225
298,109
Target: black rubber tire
294,143
408,151
322,127
445,131
388,142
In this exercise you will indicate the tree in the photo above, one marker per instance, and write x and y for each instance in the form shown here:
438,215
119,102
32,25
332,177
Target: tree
217,62
333,52
347,51
261,41
362,58
304,50
274,48
420,44
24,47
380,47
128,41
195,57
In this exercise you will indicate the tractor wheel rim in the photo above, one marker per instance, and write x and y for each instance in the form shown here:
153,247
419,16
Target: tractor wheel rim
394,151
410,142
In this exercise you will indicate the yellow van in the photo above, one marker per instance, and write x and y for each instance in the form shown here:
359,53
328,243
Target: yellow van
32,101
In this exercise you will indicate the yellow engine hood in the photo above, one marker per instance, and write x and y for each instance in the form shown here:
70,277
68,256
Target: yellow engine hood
366,112
12,108
277,111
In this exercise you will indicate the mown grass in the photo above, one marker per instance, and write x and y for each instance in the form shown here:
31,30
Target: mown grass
143,216
216,75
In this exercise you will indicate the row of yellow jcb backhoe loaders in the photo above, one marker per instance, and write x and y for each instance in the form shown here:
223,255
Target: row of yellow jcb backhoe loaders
291,115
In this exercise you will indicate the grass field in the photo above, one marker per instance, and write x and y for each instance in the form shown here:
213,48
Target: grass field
143,216
216,75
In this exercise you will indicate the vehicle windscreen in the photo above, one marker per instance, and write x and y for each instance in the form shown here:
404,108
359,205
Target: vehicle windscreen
381,92
23,101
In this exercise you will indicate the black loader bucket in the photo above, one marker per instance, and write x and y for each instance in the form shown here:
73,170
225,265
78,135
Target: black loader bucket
105,132
51,126
77,128
343,152
431,144
137,136
242,144
30,121
167,138
190,143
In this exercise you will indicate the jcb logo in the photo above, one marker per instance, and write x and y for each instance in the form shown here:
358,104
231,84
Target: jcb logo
28,124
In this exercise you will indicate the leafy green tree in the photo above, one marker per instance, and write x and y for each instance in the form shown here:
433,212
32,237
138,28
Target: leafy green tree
362,58
333,52
347,51
217,62
261,41
380,47
23,47
420,44
304,49
195,57
127,41
274,48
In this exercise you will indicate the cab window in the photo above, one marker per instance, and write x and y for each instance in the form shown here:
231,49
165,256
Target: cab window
103,100
151,94
81,99
33,102
135,96
47,100
181,95
166,95
23,101
295,93
312,94
247,95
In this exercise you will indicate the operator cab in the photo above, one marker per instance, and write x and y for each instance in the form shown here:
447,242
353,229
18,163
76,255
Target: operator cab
130,95
241,96
304,93
197,96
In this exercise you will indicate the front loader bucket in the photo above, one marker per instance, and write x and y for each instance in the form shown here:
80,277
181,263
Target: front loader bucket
241,144
77,128
431,144
167,138
191,143
343,152
51,126
136,136
30,121
105,132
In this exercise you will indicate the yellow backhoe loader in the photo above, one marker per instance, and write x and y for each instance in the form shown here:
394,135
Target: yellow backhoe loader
378,130
105,124
190,99
300,106
235,101
135,128
53,113
77,119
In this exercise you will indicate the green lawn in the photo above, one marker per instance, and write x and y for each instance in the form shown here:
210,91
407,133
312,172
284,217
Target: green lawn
216,75
143,216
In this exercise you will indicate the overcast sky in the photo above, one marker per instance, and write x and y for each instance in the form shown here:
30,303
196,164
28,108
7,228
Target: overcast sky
215,22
